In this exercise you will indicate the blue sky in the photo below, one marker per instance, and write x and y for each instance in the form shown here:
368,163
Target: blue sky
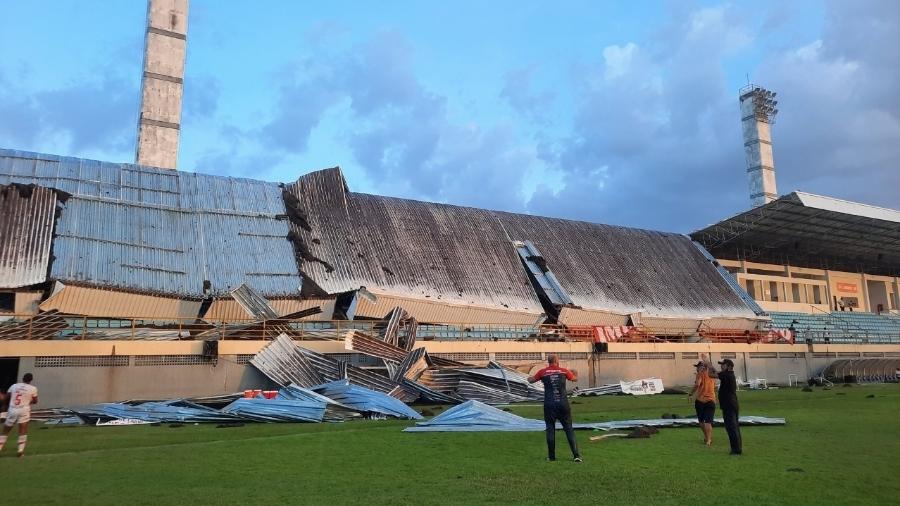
614,112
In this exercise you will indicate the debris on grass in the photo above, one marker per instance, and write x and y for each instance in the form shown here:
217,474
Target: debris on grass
642,432
474,416
605,436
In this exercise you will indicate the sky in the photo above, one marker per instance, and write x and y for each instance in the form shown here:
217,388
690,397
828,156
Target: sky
613,112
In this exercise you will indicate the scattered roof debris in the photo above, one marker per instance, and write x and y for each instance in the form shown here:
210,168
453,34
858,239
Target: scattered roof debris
254,303
474,416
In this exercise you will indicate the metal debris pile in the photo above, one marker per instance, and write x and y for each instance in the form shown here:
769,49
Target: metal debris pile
474,416
329,402
411,374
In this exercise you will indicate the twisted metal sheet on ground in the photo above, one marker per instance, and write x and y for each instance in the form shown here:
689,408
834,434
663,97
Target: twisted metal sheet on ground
284,363
356,340
164,412
488,395
410,368
474,416
277,410
397,319
415,363
334,411
433,396
366,400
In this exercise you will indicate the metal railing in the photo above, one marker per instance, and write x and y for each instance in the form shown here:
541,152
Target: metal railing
52,326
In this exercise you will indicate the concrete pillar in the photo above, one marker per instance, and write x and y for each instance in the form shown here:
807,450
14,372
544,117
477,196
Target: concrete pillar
757,115
159,123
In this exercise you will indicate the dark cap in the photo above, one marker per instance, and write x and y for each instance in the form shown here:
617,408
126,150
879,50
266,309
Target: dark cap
727,361
700,364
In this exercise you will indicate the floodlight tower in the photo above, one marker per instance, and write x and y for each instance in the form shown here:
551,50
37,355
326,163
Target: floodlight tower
757,117
159,124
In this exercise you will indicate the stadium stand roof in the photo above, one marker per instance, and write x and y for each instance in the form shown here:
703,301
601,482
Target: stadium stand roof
159,231
465,256
185,235
806,230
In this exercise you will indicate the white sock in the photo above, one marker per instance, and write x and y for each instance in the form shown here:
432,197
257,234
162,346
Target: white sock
2,441
22,441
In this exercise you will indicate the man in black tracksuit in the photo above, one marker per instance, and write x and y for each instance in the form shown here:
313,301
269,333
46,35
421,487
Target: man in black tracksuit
556,404
729,403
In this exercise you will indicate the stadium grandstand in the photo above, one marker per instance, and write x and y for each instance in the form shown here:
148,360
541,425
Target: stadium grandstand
826,267
109,266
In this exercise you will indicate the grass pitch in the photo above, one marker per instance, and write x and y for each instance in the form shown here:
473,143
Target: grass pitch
840,446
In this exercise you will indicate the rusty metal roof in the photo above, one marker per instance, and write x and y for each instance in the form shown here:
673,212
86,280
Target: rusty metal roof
405,248
26,233
628,270
458,255
160,231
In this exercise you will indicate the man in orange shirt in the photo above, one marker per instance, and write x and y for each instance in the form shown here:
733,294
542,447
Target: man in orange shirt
704,396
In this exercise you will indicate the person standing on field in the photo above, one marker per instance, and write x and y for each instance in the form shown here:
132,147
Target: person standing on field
728,401
704,396
556,404
19,399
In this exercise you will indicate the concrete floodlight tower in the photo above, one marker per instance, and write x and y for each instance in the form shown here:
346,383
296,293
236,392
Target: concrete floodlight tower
757,117
159,124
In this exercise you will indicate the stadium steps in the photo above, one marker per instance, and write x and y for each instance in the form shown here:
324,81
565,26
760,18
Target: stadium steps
842,326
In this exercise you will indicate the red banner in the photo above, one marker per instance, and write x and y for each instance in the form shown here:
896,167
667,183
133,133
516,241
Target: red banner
847,287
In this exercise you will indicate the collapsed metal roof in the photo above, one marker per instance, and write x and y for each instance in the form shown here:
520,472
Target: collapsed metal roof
179,234
461,255
26,233
806,230
412,249
160,231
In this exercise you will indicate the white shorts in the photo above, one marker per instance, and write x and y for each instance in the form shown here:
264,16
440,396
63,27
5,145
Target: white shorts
14,416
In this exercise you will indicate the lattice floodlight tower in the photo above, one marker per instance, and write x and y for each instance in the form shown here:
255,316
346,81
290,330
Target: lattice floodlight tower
757,117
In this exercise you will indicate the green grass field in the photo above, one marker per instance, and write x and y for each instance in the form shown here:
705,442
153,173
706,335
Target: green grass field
839,447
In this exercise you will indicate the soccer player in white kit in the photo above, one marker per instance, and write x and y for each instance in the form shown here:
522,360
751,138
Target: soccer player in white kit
19,398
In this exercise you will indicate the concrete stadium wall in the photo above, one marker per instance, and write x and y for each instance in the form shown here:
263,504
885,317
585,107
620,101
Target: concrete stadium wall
81,372
60,386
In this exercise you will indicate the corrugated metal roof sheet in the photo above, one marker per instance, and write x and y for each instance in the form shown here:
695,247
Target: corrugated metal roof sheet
628,270
441,311
97,302
161,231
230,310
26,233
460,255
409,249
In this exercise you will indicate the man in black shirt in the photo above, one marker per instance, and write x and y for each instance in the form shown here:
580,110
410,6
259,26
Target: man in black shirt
729,402
556,404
